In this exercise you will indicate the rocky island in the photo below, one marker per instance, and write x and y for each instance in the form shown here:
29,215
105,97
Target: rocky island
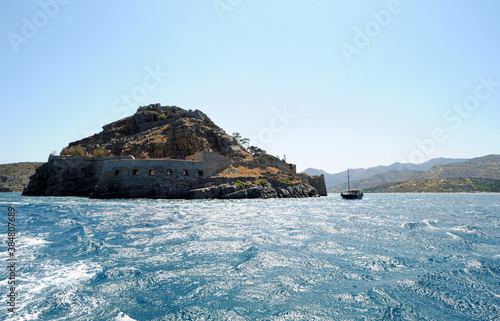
168,152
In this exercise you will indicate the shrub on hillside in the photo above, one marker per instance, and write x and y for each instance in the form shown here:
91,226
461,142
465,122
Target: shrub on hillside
263,182
74,151
240,184
100,152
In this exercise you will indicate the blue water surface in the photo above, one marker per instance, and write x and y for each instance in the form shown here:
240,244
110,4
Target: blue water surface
385,257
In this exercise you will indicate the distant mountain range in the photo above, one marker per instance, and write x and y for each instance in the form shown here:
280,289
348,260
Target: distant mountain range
438,175
398,171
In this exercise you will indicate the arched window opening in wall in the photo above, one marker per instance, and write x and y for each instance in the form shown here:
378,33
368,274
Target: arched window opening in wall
185,172
135,172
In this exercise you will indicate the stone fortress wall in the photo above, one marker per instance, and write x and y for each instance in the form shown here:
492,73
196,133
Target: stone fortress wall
127,177
202,164
70,175
156,177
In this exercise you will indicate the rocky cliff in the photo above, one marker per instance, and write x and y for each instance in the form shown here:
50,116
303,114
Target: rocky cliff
176,137
158,131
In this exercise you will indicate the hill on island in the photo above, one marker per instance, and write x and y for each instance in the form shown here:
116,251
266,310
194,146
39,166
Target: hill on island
15,177
168,152
156,131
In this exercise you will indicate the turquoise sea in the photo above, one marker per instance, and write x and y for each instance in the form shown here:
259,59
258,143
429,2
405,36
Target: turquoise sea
386,257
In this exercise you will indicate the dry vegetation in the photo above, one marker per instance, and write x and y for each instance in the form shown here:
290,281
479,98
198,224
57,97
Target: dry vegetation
259,172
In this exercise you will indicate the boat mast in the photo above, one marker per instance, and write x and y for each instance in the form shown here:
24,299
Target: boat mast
348,182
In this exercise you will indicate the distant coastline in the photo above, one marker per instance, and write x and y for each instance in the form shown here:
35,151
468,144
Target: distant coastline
440,175
478,175
14,177
441,185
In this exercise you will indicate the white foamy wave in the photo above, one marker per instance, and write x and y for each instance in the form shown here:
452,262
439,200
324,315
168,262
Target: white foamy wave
474,264
123,317
425,224
26,241
55,281
465,229
456,237
380,263
29,246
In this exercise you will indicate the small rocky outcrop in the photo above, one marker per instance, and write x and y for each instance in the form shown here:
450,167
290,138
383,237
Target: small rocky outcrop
235,190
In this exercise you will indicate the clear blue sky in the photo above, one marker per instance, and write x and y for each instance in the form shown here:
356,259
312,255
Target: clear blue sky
329,84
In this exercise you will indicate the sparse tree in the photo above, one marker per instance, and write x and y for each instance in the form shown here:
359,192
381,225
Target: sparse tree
237,136
245,142
256,151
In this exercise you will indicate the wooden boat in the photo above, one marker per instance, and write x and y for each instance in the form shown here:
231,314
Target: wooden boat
351,193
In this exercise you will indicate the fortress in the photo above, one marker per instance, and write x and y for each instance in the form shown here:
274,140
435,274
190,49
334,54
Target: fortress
166,178
116,176
151,156
193,177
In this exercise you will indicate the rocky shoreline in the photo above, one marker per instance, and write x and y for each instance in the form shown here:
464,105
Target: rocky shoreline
230,189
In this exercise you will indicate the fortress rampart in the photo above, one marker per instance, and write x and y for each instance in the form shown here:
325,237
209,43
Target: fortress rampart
123,176
165,178
193,177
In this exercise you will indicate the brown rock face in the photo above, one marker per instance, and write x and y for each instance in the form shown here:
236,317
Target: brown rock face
158,131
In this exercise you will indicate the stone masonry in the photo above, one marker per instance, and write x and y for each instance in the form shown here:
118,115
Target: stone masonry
157,178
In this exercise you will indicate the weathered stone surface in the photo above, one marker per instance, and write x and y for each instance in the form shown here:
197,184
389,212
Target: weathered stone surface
274,189
158,131
72,176
318,182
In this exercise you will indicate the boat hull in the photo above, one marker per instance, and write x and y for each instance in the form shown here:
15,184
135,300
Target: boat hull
351,195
